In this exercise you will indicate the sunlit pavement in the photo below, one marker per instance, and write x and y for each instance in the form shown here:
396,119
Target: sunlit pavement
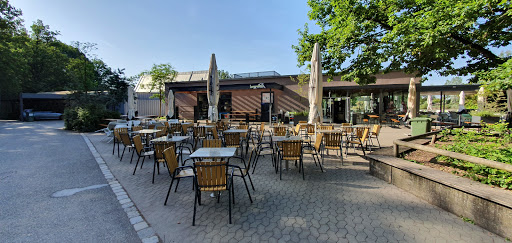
344,203
52,190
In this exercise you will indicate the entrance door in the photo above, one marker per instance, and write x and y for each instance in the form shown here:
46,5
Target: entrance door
338,114
267,100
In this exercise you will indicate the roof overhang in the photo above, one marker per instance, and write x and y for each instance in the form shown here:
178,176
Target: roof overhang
449,89
201,86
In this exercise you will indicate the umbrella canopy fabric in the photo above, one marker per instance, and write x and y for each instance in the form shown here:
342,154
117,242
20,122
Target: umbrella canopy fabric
509,100
212,88
429,103
170,104
132,102
315,87
462,100
481,98
411,100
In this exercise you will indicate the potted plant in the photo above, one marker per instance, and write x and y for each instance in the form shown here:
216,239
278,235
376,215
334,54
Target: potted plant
299,116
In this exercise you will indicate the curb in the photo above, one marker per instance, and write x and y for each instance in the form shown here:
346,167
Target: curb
144,231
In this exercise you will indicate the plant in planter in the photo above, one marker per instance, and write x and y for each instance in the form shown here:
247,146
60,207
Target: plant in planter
300,115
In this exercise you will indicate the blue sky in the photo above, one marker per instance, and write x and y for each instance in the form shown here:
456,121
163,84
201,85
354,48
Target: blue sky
246,36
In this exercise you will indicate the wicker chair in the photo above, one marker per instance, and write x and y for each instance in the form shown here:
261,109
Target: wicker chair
375,134
212,177
212,143
360,139
232,140
199,134
117,138
136,128
333,141
159,148
315,150
242,171
175,129
127,142
279,129
141,152
291,150
176,172
325,127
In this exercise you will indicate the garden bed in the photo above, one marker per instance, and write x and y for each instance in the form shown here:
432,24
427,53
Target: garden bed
493,142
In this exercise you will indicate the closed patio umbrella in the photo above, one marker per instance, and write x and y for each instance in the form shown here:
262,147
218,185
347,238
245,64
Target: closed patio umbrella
481,99
315,87
132,103
411,100
509,100
213,90
170,104
462,100
429,103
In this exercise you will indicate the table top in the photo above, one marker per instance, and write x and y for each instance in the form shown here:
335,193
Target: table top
360,126
284,138
111,119
236,131
146,131
206,126
214,153
172,139
373,116
401,115
329,131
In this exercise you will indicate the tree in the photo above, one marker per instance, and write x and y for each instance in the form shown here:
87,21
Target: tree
362,38
12,39
223,74
81,69
454,81
498,79
160,74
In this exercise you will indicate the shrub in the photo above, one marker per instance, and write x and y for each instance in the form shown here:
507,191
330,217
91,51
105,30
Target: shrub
86,118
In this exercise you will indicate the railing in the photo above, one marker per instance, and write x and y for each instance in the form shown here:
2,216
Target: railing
256,74
481,161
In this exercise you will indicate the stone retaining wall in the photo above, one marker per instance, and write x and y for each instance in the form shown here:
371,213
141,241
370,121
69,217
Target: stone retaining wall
490,208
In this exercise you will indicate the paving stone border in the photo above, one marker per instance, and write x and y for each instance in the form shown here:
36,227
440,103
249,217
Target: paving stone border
144,231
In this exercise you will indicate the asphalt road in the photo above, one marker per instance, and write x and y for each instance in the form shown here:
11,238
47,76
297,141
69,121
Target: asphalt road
40,159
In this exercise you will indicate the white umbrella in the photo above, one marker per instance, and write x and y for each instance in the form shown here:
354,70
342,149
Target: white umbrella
170,104
411,100
213,90
509,100
462,100
429,103
132,103
481,98
315,87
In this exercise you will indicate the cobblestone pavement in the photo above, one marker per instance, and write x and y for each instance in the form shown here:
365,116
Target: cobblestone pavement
343,204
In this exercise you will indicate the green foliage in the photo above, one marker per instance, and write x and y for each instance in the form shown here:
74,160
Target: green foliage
467,220
454,81
300,113
301,80
160,74
493,143
12,65
223,74
86,118
498,79
359,39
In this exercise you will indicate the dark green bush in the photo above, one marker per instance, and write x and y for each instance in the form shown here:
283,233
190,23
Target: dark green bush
87,118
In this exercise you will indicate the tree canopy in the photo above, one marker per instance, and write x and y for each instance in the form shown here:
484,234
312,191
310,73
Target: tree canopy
362,38
160,74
